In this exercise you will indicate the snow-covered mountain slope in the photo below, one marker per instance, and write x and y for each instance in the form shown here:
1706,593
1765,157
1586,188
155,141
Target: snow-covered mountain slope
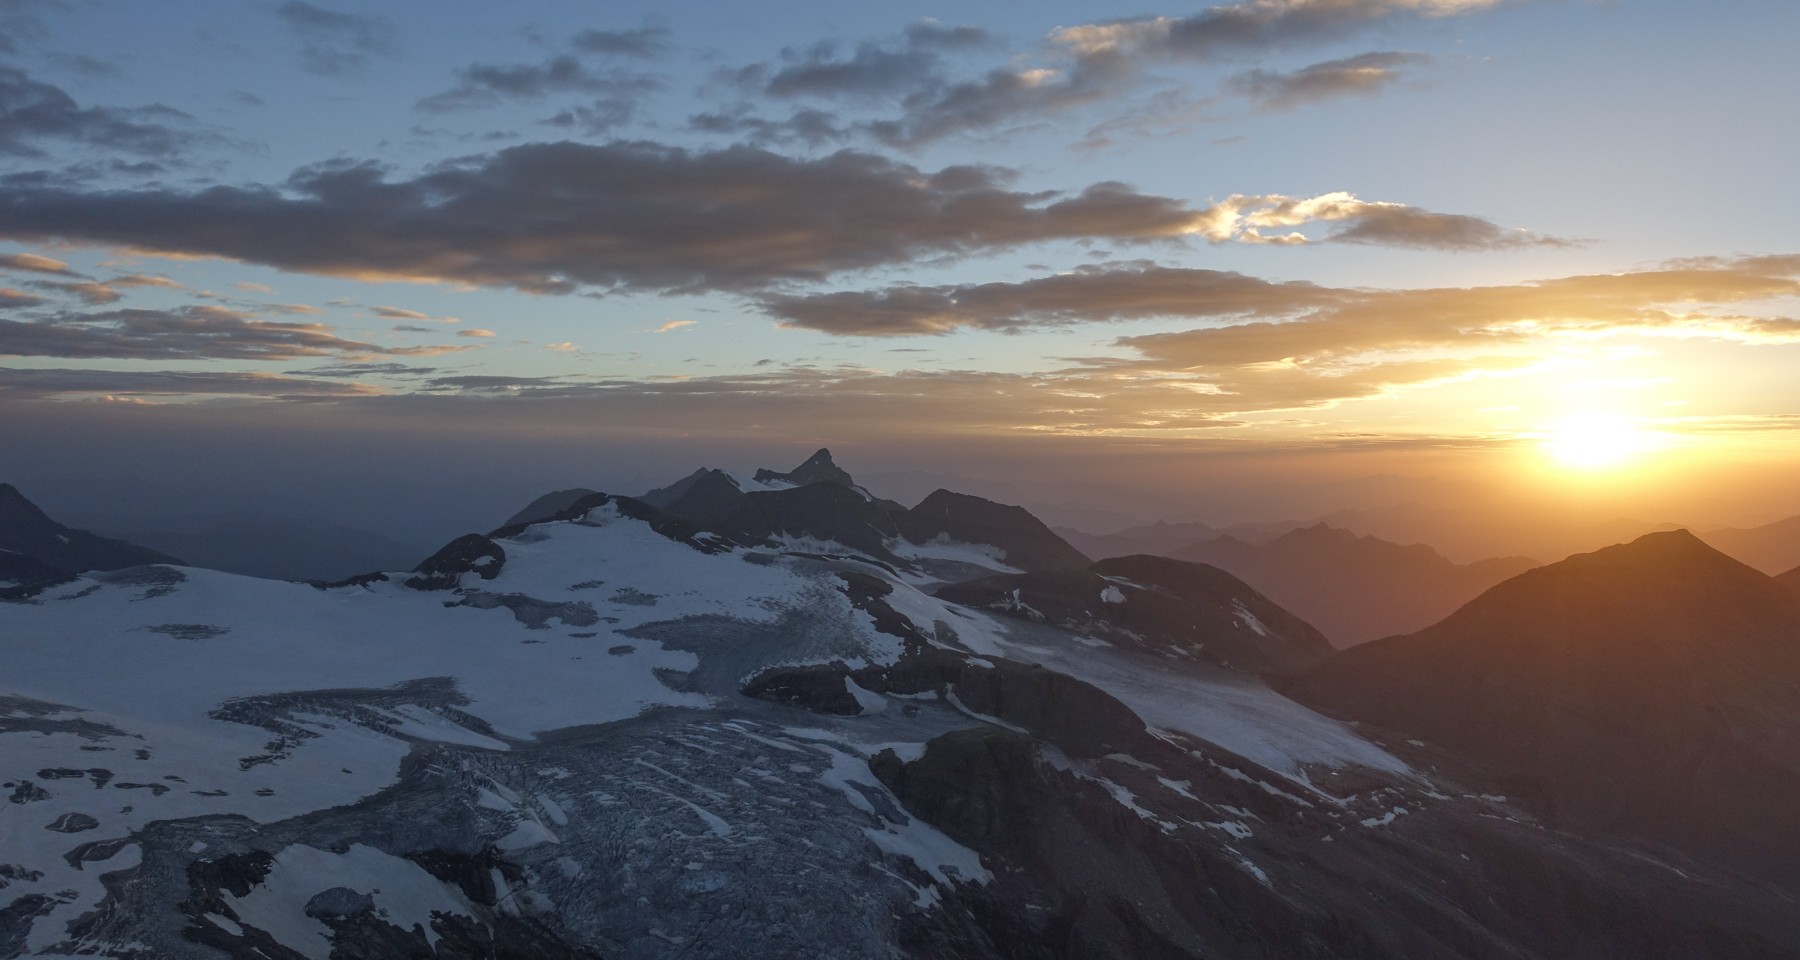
615,734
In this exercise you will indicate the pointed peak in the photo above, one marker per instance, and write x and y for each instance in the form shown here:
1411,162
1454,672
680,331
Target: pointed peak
818,468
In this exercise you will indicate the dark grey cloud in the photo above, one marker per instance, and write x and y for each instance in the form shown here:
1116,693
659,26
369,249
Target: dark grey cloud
190,333
487,85
351,371
21,21
473,383
28,384
1006,97
643,43
562,216
870,69
334,42
1087,295
32,111
1365,74
1268,324
812,128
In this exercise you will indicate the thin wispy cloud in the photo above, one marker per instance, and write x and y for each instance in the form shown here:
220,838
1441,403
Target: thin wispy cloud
338,42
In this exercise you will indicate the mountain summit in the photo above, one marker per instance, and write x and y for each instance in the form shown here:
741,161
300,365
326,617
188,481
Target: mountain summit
1648,689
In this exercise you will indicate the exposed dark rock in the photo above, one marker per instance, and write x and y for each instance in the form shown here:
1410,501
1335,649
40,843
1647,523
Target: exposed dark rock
547,506
73,823
1027,543
338,902
470,553
818,468
533,613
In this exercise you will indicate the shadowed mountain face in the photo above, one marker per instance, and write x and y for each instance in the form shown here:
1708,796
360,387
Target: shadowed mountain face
35,547
1648,689
1791,580
1353,588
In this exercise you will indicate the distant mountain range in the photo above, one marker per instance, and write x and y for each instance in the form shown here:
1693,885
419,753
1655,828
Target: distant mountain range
1354,588
776,715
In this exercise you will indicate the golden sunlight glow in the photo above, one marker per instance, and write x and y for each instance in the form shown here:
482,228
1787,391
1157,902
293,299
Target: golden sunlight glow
1594,440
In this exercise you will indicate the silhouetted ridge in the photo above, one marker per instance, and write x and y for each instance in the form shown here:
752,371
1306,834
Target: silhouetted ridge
548,505
818,468
1354,588
35,547
1651,688
1026,541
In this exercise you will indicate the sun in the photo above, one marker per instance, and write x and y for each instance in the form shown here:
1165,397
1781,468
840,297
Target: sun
1593,440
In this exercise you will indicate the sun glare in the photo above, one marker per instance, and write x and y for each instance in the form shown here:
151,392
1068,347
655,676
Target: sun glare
1598,441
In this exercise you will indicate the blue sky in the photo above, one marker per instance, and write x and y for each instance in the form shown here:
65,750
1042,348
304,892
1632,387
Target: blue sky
1430,226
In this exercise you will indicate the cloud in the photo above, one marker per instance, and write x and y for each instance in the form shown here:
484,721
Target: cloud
1366,74
487,85
93,294
34,111
1248,219
1252,26
32,263
190,333
557,217
398,313
29,384
1087,295
12,298
1270,322
335,43
354,370
643,43
563,347
144,280
475,332
812,128
675,325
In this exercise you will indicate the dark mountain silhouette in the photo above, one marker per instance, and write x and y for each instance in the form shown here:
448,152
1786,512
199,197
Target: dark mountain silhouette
1649,689
1354,588
35,547
818,468
548,505
1027,543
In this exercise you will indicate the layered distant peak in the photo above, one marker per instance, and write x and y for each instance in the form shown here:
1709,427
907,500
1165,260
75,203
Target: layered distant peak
1641,688
818,468
1355,588
34,547
547,506
1027,543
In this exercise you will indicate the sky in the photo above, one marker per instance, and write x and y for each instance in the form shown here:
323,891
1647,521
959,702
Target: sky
409,262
